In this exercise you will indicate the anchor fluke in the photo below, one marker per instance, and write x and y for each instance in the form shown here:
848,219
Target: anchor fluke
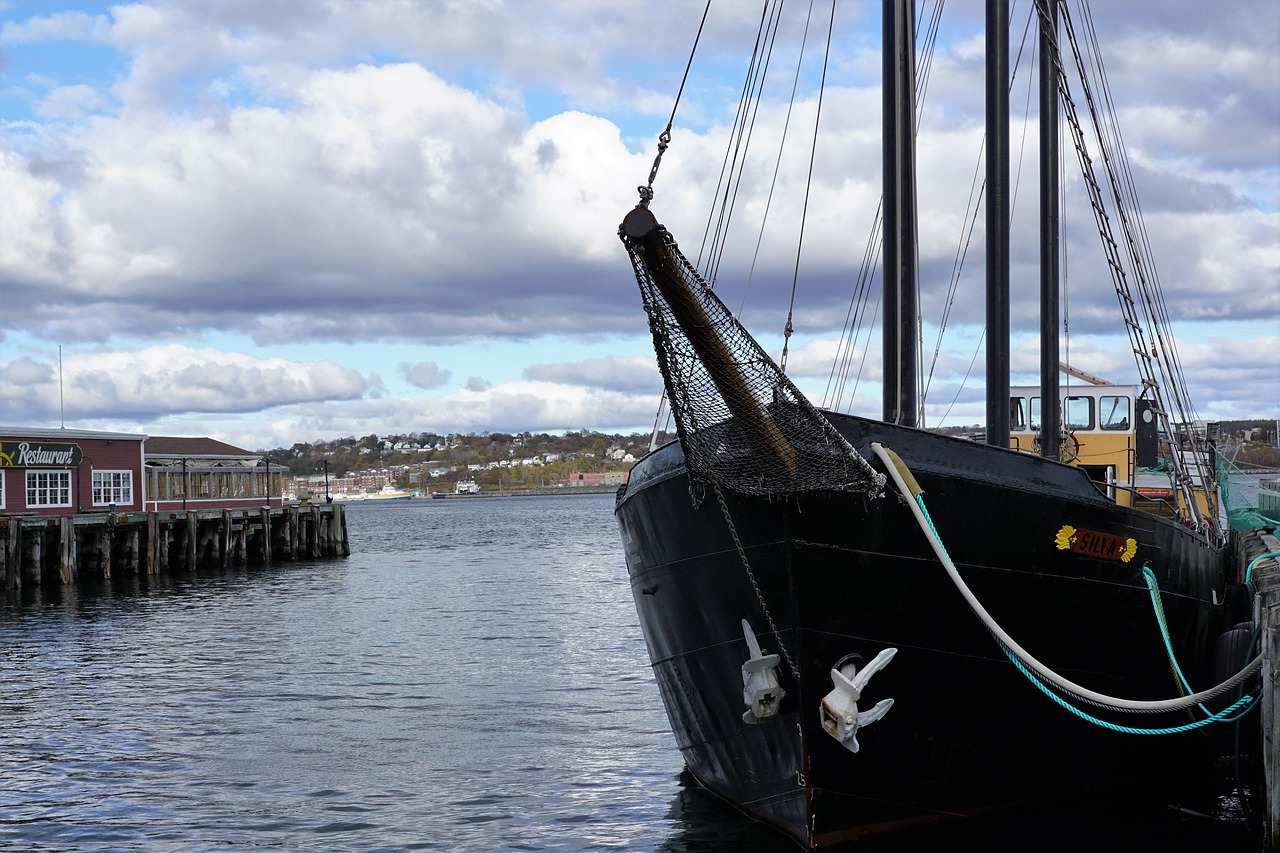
839,710
760,688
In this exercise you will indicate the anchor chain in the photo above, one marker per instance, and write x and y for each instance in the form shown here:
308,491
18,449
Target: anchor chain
746,564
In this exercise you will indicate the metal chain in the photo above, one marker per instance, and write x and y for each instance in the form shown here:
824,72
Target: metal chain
746,564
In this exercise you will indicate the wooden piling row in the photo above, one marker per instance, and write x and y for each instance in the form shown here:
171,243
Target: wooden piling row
36,550
1266,614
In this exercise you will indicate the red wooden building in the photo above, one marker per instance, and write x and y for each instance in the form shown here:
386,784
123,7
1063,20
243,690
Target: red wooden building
62,472
68,471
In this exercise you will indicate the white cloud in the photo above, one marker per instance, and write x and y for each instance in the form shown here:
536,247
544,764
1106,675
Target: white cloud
344,177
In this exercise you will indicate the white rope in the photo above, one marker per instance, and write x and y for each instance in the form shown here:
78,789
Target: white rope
895,467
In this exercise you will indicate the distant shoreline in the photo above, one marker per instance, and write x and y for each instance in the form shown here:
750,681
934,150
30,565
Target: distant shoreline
549,491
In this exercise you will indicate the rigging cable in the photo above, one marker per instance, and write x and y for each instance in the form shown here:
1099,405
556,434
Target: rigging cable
804,212
848,341
646,191
731,168
664,138
777,163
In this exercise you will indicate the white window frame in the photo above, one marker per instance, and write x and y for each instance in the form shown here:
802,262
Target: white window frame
117,488
48,474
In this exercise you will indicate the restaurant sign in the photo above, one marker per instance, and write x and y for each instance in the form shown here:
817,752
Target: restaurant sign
41,454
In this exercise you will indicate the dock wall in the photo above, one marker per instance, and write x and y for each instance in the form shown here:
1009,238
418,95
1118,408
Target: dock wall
37,550
1266,603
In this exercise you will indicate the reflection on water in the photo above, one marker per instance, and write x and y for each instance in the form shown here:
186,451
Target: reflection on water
472,678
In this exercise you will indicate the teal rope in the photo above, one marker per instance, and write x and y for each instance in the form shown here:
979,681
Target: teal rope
1244,704
1248,702
1248,575
1153,587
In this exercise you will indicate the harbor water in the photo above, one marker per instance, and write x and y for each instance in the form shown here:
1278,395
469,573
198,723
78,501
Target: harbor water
472,678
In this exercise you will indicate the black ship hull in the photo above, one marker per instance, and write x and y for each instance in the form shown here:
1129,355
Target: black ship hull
838,574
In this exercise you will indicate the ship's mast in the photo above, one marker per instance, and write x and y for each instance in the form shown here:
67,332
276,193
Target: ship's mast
1050,396
900,263
998,222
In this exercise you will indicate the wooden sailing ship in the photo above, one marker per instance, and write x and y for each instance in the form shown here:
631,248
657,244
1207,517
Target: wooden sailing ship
860,626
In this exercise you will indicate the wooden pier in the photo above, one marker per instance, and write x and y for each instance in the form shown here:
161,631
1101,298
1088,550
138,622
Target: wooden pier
40,550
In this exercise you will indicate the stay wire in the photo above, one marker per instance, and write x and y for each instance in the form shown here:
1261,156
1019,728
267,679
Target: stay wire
664,139
804,212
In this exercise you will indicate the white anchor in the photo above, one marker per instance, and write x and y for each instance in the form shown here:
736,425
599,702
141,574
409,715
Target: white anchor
839,712
760,688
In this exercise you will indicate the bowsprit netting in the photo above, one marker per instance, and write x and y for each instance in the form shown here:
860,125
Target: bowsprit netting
742,424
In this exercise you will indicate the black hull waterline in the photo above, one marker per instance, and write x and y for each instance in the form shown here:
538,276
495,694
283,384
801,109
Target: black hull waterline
841,574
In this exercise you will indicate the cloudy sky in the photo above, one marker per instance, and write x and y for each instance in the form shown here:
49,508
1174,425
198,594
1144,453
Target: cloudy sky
271,221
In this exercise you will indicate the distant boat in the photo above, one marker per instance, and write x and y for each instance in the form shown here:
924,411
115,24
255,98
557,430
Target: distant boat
345,497
389,493
466,487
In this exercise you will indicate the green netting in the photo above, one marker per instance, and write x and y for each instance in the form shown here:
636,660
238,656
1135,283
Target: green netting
1252,500
742,423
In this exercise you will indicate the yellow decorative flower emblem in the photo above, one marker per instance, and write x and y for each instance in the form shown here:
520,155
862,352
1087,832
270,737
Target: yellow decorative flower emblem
1130,548
1063,539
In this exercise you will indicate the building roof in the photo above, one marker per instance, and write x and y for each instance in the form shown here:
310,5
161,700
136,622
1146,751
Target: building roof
208,448
67,434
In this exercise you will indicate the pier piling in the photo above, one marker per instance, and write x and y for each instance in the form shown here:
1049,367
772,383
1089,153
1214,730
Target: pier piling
1266,578
36,549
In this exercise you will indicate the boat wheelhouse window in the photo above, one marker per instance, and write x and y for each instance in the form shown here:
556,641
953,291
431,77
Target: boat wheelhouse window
1035,413
1017,414
1113,412
1078,413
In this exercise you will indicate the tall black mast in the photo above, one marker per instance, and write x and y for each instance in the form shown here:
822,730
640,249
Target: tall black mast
998,223
1050,396
900,265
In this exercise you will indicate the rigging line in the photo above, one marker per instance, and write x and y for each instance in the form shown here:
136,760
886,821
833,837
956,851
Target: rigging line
664,139
1026,115
977,350
1151,281
1130,307
804,212
740,166
777,164
1165,362
853,331
973,204
847,342
731,161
